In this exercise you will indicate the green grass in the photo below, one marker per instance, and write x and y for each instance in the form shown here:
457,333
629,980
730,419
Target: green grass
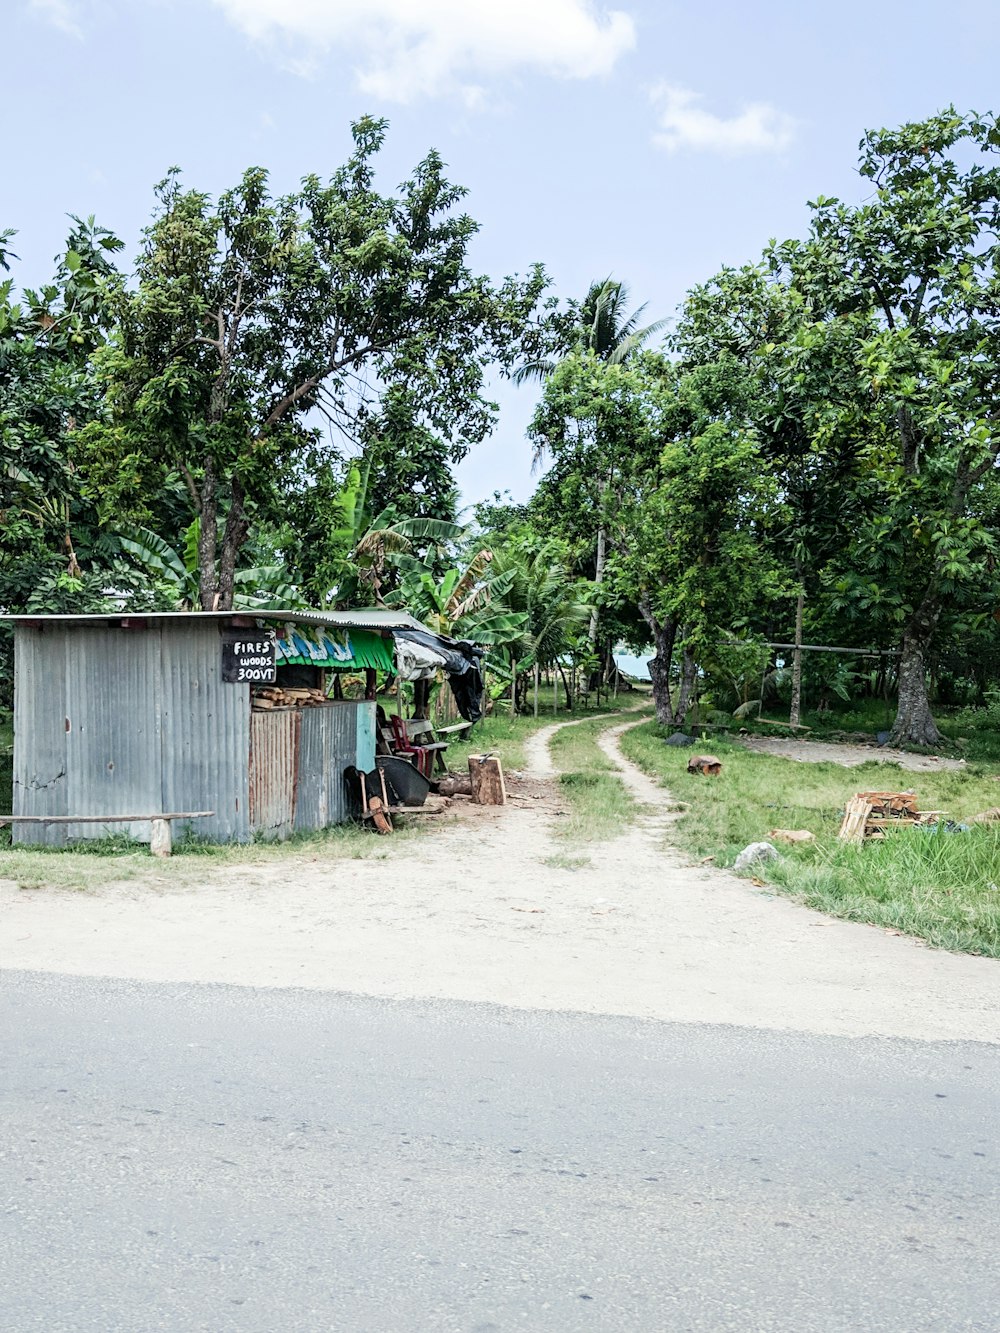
562,861
91,863
969,733
942,887
498,734
599,805
501,734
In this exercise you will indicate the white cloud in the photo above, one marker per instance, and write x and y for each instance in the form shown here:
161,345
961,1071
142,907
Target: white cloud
60,14
683,123
412,48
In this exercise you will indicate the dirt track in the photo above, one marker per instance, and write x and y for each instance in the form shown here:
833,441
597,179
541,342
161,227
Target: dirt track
480,909
813,752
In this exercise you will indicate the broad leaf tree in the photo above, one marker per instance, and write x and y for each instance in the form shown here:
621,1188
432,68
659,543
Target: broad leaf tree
899,362
261,332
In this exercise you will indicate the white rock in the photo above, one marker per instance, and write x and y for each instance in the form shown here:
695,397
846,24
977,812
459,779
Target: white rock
757,851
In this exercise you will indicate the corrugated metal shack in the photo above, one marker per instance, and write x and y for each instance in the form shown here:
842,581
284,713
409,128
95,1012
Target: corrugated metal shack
185,711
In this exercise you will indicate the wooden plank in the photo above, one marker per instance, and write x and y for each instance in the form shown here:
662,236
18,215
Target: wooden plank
855,820
103,819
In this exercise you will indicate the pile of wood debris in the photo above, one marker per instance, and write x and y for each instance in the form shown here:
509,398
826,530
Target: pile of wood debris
274,696
870,813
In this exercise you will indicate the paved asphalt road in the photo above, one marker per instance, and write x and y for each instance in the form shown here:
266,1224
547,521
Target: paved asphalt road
214,1158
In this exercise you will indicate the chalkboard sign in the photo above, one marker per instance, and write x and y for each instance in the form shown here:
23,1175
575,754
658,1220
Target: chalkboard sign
249,660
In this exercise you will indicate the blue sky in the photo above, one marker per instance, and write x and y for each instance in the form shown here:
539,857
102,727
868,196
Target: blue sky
651,141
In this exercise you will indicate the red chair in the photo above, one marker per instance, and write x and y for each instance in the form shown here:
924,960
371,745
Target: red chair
422,758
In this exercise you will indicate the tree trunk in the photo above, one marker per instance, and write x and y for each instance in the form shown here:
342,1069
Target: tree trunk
659,671
207,519
602,557
237,527
569,692
689,673
796,708
914,724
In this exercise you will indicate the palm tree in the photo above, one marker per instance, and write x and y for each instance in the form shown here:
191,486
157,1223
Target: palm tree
602,326
599,324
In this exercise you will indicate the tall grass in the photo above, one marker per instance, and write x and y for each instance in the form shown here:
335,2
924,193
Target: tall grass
940,886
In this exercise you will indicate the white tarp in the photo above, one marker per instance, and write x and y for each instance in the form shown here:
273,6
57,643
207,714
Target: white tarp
415,661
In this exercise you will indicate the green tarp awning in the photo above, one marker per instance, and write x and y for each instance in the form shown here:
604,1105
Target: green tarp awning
336,650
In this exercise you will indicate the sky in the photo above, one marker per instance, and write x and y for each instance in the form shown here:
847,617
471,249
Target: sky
647,140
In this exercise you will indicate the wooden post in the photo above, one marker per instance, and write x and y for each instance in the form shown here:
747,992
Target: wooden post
486,778
795,710
159,837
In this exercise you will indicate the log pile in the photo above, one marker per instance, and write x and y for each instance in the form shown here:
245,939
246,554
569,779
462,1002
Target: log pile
870,813
276,696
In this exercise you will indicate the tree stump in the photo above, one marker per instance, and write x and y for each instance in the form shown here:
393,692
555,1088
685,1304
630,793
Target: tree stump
486,778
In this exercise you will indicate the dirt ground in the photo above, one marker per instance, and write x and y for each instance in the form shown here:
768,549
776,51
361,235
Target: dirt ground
489,906
813,752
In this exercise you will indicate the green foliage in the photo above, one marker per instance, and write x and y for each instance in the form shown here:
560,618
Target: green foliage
465,603
254,316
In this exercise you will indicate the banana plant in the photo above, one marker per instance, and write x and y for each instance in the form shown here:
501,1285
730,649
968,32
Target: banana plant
258,588
466,603
371,542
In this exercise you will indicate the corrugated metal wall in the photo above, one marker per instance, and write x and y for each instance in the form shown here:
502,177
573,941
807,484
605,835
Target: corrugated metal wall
125,721
329,744
130,721
41,785
274,768
206,729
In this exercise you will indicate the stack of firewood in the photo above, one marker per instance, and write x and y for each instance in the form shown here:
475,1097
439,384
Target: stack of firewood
870,813
274,696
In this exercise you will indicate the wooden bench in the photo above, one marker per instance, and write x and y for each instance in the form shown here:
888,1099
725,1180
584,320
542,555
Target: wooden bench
160,841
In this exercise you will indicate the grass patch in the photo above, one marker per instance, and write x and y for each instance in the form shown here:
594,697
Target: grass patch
498,734
942,887
506,736
599,805
91,863
562,861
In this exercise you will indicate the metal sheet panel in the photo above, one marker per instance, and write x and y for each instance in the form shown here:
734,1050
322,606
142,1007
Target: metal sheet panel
328,746
206,734
40,777
365,751
274,763
113,736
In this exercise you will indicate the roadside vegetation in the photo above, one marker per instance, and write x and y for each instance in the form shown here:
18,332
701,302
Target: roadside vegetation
92,864
598,804
941,886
